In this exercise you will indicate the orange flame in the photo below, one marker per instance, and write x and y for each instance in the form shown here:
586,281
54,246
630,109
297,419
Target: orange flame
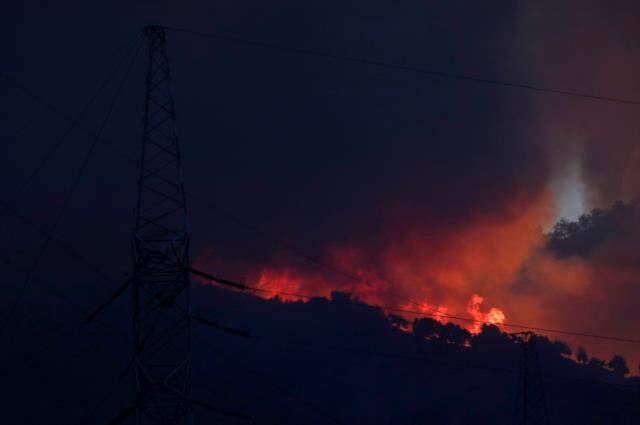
286,284
438,313
495,316
279,283
453,269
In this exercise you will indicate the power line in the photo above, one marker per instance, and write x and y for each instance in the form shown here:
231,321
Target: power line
322,264
407,68
298,252
271,383
328,267
453,364
309,404
253,229
433,362
66,117
394,355
9,206
314,260
67,200
73,122
519,326
353,350
305,256
33,357
338,270
104,64
464,319
292,249
350,276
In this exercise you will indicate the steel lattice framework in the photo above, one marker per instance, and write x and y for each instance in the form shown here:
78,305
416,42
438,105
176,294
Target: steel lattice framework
161,284
531,402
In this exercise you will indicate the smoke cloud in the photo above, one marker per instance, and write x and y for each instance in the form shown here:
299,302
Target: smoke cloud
451,207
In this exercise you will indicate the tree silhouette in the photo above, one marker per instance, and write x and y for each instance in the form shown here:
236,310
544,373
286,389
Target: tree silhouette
596,363
581,355
619,365
591,230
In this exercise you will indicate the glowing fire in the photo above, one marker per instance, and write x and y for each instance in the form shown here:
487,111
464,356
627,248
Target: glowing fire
427,266
279,283
286,285
438,313
495,316
456,269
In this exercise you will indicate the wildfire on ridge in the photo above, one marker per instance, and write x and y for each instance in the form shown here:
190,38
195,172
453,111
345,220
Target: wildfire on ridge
438,313
279,283
286,285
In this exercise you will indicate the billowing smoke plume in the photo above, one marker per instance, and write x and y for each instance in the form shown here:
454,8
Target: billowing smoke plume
450,208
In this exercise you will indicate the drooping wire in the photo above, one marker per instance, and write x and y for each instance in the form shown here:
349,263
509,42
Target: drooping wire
117,56
69,196
34,358
258,232
406,68
98,137
9,205
73,123
311,259
419,312
272,382
433,363
440,315
314,407
338,271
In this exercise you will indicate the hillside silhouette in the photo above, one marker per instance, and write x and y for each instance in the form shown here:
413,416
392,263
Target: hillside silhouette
323,361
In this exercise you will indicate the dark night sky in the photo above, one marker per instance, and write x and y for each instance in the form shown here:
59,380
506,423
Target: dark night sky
444,186
300,146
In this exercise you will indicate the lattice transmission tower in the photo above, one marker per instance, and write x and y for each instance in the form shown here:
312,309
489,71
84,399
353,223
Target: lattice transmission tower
531,404
160,279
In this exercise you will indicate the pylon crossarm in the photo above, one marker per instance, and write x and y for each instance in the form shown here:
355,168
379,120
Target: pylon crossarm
216,279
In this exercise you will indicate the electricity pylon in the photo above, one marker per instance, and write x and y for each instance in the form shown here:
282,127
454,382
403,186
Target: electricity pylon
160,280
531,405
